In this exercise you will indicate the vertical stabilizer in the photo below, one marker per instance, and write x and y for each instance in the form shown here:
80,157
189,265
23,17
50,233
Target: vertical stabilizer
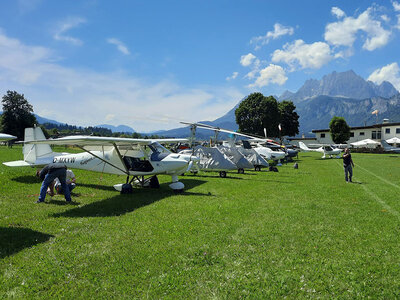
386,146
34,151
303,147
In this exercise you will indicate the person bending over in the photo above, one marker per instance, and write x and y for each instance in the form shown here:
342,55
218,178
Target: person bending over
48,174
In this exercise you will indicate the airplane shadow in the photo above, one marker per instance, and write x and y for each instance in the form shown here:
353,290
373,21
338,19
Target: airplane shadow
216,176
121,204
61,202
15,239
27,179
96,186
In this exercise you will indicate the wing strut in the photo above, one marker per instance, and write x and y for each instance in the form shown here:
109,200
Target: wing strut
102,159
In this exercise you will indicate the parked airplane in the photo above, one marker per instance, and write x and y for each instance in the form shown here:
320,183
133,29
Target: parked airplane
389,148
210,159
122,156
6,137
244,159
218,158
265,152
325,150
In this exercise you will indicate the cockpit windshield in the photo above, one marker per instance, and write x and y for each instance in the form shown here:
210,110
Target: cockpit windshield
159,152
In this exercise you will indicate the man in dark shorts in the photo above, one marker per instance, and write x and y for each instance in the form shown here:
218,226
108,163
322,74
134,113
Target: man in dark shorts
48,174
348,165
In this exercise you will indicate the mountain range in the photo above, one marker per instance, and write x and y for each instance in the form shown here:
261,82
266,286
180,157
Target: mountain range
345,85
343,94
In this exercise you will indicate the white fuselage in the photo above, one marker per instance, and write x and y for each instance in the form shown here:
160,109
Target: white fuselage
109,162
269,154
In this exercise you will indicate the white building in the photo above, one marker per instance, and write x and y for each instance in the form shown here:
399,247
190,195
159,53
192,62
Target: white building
375,132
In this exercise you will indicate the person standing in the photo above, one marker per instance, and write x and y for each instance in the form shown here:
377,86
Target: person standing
48,174
348,165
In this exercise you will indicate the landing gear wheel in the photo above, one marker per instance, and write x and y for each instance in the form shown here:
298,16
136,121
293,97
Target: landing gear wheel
257,168
241,171
178,191
222,174
154,184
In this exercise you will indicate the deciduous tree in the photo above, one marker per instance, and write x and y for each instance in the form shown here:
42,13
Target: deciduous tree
340,131
17,114
289,118
257,112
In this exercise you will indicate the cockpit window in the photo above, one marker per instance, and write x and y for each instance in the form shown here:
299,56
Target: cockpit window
159,152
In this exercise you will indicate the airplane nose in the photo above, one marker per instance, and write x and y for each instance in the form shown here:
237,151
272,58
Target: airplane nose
190,158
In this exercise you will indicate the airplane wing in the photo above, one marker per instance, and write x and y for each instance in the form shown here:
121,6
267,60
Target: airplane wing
81,140
6,137
209,127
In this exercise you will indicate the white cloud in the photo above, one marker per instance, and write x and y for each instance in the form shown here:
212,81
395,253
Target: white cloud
109,117
344,32
247,60
336,11
120,46
70,23
271,74
84,97
389,73
233,76
396,6
279,30
300,55
385,18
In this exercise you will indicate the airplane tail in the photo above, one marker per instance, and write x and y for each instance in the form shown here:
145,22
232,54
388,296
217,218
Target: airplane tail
303,147
32,152
386,146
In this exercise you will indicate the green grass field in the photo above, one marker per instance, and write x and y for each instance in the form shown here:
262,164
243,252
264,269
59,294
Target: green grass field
297,233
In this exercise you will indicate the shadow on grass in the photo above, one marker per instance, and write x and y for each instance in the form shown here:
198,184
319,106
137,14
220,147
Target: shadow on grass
28,179
121,204
96,186
217,176
15,239
61,202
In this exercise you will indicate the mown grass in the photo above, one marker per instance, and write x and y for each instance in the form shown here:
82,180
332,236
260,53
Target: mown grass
296,233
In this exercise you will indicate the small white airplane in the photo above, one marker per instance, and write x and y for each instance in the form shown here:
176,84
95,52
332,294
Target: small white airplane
121,156
6,137
325,150
389,148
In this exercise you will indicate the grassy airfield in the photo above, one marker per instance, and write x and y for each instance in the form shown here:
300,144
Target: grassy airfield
297,233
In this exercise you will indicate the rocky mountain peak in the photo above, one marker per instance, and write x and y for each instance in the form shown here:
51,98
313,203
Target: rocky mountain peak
341,84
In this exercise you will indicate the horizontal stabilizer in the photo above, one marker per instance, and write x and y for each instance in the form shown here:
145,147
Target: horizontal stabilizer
17,163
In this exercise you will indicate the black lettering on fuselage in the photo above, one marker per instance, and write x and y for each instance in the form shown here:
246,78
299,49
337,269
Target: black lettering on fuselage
64,160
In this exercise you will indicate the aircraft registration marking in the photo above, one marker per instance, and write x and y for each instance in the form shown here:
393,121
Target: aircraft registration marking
69,160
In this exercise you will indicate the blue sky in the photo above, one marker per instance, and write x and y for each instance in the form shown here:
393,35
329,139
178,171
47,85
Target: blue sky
150,64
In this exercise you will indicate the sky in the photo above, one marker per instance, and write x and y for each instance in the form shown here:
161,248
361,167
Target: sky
150,64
